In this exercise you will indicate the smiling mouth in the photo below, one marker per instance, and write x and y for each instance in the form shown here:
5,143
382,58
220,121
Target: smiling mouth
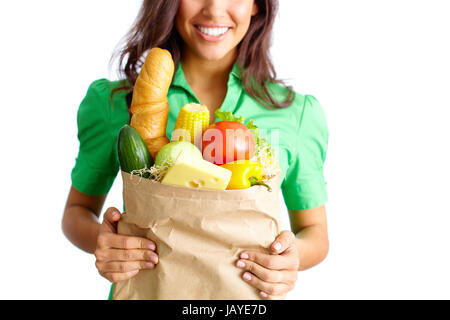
212,32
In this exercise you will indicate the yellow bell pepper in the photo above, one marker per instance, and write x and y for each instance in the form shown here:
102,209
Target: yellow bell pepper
244,174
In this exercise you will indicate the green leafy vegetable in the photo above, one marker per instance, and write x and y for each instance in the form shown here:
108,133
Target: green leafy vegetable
228,116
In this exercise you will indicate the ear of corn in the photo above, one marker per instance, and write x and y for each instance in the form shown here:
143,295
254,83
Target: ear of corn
194,120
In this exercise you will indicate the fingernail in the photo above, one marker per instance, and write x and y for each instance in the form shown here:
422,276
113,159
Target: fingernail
247,276
263,294
154,259
149,265
240,264
151,246
277,246
244,256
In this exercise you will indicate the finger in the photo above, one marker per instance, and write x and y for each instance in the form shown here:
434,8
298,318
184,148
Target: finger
268,261
124,266
110,218
131,255
265,296
117,277
283,241
273,289
118,241
272,276
111,215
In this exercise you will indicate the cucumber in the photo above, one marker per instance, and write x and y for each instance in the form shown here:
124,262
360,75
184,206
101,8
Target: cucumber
132,151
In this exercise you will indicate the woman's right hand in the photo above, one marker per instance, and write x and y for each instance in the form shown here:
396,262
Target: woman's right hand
120,257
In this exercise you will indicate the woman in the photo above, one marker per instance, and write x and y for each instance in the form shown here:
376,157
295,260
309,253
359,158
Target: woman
220,50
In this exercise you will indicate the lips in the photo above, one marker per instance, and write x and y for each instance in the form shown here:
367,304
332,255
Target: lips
215,32
212,32
212,25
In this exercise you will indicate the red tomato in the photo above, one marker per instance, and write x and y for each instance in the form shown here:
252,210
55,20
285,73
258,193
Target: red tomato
227,141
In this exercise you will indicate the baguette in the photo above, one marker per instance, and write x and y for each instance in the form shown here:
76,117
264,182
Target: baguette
149,105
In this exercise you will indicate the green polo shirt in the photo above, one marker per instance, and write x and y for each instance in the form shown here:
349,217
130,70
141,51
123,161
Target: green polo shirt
299,134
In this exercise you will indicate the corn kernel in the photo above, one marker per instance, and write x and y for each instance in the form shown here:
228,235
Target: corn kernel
194,120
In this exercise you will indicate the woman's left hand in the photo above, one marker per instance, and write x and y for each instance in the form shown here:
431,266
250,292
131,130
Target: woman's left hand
272,274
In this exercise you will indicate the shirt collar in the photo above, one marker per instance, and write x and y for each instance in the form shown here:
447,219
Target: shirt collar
234,87
178,78
235,70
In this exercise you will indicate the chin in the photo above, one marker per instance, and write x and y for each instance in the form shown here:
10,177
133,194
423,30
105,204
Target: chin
214,56
211,54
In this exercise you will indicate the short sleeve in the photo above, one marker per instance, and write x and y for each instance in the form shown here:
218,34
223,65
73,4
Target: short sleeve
304,186
96,165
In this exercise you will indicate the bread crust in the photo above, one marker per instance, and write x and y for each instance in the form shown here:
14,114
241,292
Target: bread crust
149,105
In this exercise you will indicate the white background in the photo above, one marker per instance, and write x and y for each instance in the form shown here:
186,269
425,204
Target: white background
382,73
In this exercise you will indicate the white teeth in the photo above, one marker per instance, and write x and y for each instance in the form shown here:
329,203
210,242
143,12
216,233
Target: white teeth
215,32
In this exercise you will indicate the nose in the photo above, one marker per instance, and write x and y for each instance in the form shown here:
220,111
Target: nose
214,8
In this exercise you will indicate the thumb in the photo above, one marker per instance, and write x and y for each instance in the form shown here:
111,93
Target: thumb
282,241
112,215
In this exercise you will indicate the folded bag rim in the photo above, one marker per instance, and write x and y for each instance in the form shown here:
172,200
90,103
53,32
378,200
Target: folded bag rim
178,191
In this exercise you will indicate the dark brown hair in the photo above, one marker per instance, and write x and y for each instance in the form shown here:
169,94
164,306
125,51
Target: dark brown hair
155,27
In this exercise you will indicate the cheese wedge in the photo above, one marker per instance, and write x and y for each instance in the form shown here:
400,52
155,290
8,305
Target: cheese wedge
199,174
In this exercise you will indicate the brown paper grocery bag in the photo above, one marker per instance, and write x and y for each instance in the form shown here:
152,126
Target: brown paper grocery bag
199,235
